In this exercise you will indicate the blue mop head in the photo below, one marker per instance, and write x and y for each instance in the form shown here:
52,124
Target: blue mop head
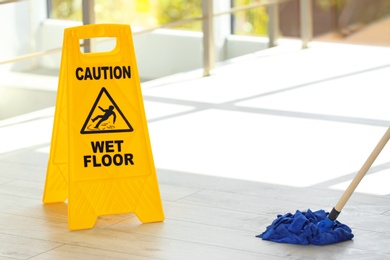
306,228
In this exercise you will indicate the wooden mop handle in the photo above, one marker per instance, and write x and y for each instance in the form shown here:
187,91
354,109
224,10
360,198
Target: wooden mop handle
359,176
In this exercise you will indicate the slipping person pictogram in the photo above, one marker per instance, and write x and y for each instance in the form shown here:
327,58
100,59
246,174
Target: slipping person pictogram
107,113
102,120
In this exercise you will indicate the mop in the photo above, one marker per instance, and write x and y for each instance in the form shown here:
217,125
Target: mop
320,227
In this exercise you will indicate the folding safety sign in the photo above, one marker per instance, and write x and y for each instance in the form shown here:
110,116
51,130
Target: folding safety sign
100,157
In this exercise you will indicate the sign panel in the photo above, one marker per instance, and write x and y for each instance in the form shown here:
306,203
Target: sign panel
100,157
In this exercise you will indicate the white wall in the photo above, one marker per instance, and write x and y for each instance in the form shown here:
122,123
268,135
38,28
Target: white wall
165,52
19,24
159,53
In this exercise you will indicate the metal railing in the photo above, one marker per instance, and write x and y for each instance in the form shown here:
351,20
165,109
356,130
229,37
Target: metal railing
207,16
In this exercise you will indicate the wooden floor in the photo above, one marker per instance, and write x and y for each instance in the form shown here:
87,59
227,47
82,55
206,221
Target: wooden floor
267,134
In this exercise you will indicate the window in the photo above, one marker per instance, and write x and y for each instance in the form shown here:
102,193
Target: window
138,13
250,22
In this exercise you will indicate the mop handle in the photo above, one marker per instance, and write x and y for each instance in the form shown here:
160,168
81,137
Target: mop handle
359,176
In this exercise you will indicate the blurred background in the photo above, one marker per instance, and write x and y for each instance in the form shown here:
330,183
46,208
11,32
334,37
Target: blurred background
32,31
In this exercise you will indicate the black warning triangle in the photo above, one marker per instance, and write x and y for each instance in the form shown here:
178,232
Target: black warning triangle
106,120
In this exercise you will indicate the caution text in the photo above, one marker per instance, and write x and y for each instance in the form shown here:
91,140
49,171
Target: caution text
104,72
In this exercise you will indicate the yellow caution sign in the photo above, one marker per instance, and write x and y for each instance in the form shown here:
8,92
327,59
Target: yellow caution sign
100,157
